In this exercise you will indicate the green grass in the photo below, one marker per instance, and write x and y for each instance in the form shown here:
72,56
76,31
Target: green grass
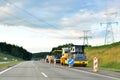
10,60
108,56
8,64
9,57
111,69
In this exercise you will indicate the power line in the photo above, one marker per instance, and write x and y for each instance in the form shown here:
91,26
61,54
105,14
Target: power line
18,19
28,13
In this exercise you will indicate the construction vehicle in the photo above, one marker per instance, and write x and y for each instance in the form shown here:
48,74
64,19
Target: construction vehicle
75,52
65,55
56,54
48,58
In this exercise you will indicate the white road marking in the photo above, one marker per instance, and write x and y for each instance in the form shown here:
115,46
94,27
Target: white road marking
44,74
96,74
8,69
5,70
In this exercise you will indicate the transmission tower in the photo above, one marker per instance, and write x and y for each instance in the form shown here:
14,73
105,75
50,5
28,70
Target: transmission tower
109,35
86,37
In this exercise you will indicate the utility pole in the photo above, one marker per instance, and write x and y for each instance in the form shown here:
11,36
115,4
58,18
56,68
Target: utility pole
86,37
109,35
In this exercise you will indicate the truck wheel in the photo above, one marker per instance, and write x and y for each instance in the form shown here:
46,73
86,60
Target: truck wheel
61,63
84,65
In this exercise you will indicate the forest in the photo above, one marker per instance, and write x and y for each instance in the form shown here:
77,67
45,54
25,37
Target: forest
15,50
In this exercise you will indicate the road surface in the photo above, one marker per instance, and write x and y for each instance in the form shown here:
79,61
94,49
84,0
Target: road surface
35,70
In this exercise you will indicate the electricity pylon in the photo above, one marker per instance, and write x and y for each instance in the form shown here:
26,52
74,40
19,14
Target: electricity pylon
86,37
109,35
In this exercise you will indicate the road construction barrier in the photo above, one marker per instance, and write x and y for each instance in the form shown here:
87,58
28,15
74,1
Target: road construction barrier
49,61
54,61
95,64
45,61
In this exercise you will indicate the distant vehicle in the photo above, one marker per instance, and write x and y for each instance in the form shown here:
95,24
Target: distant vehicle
75,52
48,58
56,54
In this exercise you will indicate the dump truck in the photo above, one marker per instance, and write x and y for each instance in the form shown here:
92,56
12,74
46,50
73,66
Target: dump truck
75,52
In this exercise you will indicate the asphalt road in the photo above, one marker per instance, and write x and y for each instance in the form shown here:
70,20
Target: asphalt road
34,70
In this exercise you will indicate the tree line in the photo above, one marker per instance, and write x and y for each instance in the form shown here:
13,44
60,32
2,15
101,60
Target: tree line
62,46
15,50
42,55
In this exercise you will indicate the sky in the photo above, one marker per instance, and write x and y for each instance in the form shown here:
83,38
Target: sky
40,25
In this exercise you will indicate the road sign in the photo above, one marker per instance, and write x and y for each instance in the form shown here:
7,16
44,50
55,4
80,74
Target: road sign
70,61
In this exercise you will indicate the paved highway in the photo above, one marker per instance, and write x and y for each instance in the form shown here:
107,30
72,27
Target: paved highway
34,70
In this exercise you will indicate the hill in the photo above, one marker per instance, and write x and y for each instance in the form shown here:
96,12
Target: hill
14,50
108,56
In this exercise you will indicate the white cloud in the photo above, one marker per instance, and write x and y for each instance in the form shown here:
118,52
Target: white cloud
35,36
79,20
85,20
4,10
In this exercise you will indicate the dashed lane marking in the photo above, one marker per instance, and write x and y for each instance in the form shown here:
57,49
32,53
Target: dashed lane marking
44,74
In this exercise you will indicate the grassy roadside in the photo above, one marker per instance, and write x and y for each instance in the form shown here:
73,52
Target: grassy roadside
111,69
108,56
9,57
10,61
104,68
9,64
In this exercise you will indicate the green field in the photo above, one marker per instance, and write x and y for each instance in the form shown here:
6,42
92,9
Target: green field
108,56
8,60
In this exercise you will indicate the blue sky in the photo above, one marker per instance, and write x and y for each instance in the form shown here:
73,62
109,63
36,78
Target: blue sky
39,25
